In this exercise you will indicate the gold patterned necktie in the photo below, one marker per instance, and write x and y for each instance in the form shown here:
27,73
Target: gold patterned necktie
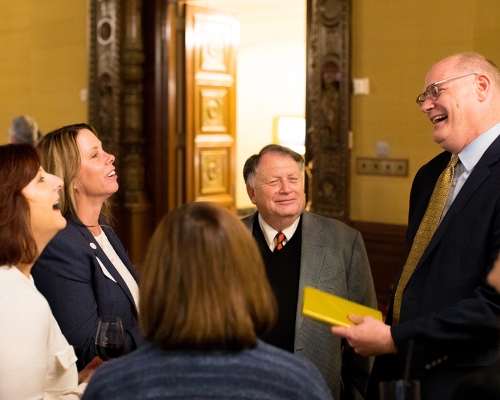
427,227
280,237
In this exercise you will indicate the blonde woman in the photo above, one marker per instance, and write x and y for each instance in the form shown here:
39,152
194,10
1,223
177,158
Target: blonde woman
85,272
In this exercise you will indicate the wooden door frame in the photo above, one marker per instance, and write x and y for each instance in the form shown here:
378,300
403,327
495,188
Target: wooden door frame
148,139
161,179
327,142
322,26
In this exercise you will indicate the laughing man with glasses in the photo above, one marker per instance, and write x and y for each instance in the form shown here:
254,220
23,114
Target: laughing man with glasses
444,305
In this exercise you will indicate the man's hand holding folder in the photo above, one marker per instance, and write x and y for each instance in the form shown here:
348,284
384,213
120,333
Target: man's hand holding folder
361,326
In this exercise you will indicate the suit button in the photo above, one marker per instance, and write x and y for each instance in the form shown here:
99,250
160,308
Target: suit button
439,360
428,366
445,358
433,363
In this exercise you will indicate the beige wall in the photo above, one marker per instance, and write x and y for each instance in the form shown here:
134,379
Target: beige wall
394,44
44,62
44,67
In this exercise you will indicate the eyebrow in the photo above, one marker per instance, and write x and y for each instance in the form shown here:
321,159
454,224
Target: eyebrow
92,149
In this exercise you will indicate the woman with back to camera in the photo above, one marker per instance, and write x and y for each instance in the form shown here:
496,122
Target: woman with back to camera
85,272
204,301
36,360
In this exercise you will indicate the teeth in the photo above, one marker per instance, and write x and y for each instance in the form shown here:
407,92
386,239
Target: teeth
111,173
439,118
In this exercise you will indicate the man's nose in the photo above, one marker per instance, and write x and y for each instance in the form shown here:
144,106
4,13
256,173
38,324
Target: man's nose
285,185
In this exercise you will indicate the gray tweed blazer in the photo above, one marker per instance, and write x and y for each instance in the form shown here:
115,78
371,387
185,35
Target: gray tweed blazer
333,259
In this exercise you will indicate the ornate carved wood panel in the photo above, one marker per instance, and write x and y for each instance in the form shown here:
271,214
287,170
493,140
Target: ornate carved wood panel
115,110
328,107
210,106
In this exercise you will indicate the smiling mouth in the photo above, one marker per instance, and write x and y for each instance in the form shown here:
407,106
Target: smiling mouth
438,118
286,201
112,173
55,206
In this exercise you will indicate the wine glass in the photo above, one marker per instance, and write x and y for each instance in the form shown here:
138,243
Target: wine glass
109,339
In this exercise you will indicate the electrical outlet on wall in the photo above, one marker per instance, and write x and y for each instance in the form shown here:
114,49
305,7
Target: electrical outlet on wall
382,166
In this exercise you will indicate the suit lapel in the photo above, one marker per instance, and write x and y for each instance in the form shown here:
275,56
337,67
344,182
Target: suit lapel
311,260
478,175
99,253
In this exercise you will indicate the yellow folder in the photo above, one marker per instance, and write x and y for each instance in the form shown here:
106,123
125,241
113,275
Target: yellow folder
332,309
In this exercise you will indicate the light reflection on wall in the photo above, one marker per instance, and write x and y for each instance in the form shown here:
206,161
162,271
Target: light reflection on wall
291,132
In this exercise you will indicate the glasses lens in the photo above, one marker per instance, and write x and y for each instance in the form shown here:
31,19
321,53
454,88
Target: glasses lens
421,98
432,92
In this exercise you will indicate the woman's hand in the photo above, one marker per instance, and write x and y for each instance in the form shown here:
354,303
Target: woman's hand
85,374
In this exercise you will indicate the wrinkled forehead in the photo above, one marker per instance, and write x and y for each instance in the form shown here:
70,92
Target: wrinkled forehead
277,164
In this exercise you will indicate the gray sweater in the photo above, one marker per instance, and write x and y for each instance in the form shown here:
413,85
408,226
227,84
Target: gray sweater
265,372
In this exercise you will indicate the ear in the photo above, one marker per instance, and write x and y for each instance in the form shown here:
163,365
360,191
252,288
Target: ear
251,193
483,87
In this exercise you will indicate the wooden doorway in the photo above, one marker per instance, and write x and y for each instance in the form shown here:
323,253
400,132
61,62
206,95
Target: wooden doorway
190,105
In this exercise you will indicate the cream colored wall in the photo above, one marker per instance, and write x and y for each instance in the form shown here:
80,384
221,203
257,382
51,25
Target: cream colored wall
44,62
271,72
394,44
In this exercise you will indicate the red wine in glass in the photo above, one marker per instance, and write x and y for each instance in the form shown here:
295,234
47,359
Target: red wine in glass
107,352
109,339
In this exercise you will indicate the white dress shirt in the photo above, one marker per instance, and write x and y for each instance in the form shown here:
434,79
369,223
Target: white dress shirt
270,233
469,157
108,249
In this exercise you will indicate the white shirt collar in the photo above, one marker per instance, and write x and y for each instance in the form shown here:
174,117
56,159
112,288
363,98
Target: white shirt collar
471,154
270,233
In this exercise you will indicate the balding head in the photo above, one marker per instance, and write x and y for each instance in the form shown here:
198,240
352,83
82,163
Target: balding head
467,103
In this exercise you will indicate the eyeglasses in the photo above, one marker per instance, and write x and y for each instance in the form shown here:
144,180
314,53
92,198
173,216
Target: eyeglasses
432,92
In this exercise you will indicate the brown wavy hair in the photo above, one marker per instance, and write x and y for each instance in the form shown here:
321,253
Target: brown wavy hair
19,164
60,156
203,285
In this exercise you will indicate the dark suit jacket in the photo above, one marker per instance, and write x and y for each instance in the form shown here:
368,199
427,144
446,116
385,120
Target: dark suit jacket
333,259
484,384
447,307
68,274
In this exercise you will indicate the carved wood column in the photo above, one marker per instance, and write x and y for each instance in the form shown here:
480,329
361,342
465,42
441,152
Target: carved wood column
115,110
328,107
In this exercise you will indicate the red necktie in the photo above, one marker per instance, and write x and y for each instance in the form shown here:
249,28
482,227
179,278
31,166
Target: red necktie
280,237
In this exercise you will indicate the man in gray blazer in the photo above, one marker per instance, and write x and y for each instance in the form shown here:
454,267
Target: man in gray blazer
303,249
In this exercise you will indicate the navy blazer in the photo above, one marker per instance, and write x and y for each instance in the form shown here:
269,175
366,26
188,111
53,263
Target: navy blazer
68,274
484,384
448,309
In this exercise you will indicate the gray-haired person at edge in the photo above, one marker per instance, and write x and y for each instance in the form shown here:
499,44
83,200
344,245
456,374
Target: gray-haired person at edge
304,249
84,272
24,129
36,360
442,301
204,303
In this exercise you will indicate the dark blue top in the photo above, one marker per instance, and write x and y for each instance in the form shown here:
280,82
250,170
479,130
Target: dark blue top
265,372
79,288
